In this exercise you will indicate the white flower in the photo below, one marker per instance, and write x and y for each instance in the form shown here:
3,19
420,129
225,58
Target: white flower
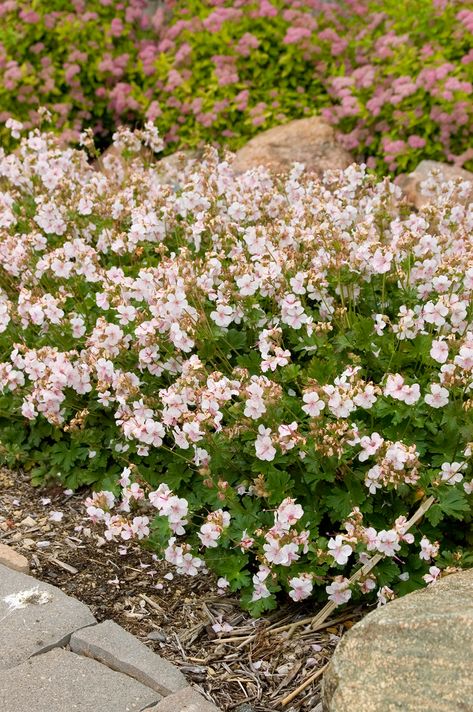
263,445
301,587
439,351
432,576
313,404
427,549
451,472
339,591
341,552
388,542
438,396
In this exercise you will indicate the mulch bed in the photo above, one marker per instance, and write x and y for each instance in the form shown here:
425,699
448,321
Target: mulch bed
254,667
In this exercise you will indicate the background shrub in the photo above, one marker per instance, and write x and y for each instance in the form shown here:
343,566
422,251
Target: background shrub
83,60
394,78
402,85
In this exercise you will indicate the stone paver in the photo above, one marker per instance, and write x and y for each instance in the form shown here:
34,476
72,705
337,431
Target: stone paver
186,700
55,657
13,560
35,628
60,681
112,645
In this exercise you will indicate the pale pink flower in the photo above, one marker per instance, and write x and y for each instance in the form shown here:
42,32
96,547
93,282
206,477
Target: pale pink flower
301,587
439,351
438,396
427,549
263,445
339,591
341,552
452,472
388,542
432,576
314,405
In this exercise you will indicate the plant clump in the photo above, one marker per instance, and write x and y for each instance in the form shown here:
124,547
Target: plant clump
263,376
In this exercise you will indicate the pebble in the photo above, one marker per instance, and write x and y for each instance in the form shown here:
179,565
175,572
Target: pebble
13,560
157,635
28,522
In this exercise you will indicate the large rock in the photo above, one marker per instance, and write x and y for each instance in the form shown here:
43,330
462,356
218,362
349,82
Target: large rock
411,183
44,619
413,655
310,141
60,681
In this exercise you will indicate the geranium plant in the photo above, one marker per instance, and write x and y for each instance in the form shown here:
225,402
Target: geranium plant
262,376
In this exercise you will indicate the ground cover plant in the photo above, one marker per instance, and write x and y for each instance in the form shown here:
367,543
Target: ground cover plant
264,376
395,79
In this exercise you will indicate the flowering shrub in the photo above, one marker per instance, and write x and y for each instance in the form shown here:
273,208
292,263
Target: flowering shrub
232,68
264,376
395,80
82,60
402,83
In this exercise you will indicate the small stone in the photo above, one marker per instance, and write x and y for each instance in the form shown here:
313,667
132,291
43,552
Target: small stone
186,700
28,522
157,635
110,644
309,141
13,560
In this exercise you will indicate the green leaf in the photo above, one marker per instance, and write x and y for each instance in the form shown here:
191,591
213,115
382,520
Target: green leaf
434,515
453,502
257,608
339,504
386,572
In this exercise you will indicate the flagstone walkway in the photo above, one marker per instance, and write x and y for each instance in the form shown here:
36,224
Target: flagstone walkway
55,657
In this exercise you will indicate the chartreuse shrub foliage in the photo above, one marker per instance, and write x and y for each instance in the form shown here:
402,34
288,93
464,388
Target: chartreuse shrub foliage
265,376
84,60
394,78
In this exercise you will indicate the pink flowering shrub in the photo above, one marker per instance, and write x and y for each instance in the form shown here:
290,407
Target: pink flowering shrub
395,80
401,88
82,59
230,69
263,376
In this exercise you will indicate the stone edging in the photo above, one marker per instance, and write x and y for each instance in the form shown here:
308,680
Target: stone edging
55,656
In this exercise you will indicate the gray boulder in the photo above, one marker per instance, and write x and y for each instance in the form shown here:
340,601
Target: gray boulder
413,655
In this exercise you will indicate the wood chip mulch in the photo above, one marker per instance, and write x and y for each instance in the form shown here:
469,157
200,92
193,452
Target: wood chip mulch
256,666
